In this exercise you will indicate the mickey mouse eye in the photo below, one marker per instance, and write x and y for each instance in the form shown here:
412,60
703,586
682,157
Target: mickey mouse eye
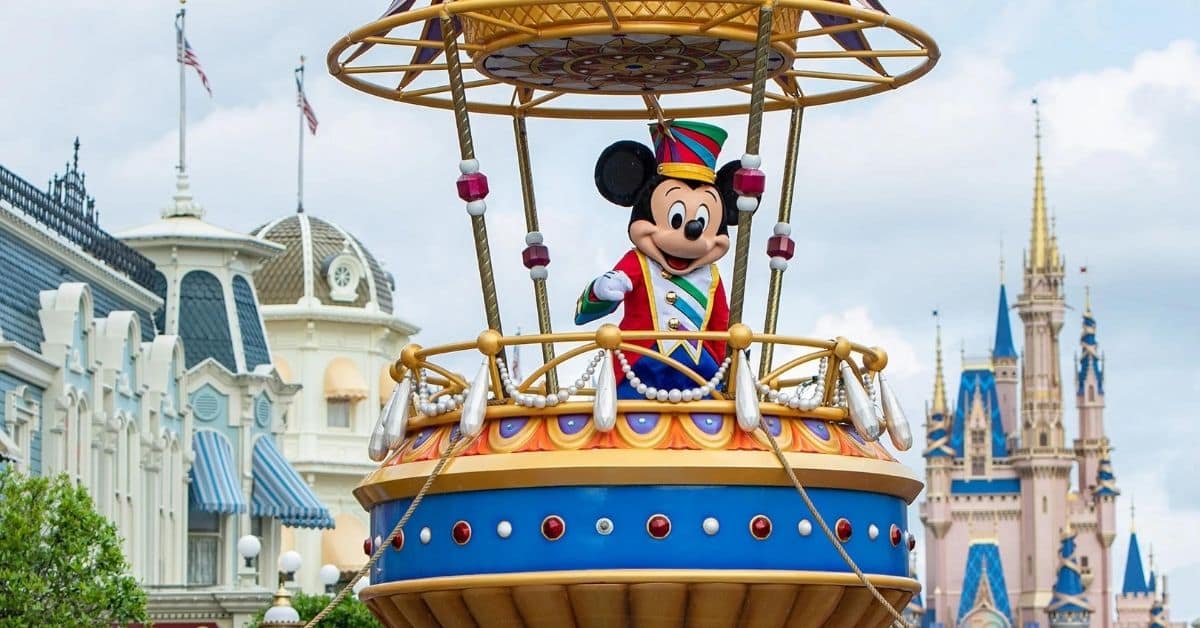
702,216
675,214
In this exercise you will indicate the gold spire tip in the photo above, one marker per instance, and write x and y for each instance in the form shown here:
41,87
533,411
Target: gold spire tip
939,381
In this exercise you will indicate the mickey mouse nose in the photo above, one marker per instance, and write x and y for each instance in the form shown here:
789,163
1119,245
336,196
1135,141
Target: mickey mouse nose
693,229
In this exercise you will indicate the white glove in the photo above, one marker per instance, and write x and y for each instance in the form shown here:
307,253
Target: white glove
612,286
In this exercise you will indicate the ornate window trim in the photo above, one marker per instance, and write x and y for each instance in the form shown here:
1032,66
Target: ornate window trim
22,417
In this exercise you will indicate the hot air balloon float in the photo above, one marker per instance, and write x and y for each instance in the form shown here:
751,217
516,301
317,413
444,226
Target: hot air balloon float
662,466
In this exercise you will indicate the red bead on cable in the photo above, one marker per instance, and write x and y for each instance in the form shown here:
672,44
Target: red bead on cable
781,246
912,542
398,541
749,181
895,536
367,546
472,186
535,255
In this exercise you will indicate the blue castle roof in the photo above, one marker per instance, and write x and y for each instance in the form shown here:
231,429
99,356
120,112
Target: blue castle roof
1068,587
1003,347
1089,362
1135,578
978,386
984,578
1106,481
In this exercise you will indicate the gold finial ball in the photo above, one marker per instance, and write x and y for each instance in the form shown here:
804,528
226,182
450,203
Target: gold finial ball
396,371
489,342
876,362
841,348
408,356
740,336
608,336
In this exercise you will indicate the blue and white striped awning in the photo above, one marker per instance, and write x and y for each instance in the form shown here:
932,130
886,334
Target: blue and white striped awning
215,485
280,492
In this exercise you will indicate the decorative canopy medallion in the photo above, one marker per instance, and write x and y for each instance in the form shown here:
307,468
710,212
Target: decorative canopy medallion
542,58
628,64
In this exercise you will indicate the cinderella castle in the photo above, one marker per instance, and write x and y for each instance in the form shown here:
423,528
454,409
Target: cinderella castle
1011,542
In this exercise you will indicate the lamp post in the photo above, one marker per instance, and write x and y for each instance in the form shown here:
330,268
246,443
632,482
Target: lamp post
248,547
289,564
329,576
281,613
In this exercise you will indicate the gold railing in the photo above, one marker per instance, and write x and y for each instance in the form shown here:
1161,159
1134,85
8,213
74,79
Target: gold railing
492,346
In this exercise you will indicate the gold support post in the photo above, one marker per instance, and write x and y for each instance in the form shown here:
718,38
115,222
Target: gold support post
785,217
753,135
531,224
462,120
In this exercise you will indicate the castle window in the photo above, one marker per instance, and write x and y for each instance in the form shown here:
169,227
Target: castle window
204,541
1029,564
1091,393
1083,562
1043,440
1045,504
337,412
976,437
977,466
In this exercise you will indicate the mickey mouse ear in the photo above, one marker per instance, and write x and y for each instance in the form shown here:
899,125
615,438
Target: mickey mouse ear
622,170
729,197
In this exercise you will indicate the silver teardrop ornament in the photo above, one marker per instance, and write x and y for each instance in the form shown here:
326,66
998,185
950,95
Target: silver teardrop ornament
897,424
745,399
475,405
395,413
862,409
604,408
377,447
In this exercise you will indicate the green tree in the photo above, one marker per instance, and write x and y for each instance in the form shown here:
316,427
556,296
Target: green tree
60,561
351,613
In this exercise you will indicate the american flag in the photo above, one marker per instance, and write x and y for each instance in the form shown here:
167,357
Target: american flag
302,102
185,55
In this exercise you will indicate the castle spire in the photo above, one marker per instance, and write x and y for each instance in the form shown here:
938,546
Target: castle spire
1003,346
937,424
1068,606
1135,577
1043,252
939,379
1089,361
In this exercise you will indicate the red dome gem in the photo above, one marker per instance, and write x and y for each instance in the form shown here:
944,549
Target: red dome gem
398,541
760,527
461,533
367,546
658,526
912,542
553,527
843,530
895,535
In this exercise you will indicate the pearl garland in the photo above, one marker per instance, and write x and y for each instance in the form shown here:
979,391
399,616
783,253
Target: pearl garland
806,396
443,405
673,395
799,400
534,400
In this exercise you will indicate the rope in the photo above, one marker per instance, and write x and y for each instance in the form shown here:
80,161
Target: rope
898,619
451,451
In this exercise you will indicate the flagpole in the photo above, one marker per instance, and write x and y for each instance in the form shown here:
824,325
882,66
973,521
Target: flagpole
180,37
300,129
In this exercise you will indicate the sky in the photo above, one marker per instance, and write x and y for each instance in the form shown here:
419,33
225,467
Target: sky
905,201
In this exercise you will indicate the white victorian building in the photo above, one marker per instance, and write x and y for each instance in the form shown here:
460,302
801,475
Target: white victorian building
328,308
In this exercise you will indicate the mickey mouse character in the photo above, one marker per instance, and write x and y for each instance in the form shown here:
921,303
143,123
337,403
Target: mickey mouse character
679,221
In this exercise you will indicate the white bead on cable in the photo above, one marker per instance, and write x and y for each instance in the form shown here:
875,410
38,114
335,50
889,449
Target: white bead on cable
747,203
538,272
533,237
468,166
778,263
751,162
477,208
782,229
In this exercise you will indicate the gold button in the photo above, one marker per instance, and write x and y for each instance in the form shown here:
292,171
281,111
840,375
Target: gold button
673,324
666,275
671,296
